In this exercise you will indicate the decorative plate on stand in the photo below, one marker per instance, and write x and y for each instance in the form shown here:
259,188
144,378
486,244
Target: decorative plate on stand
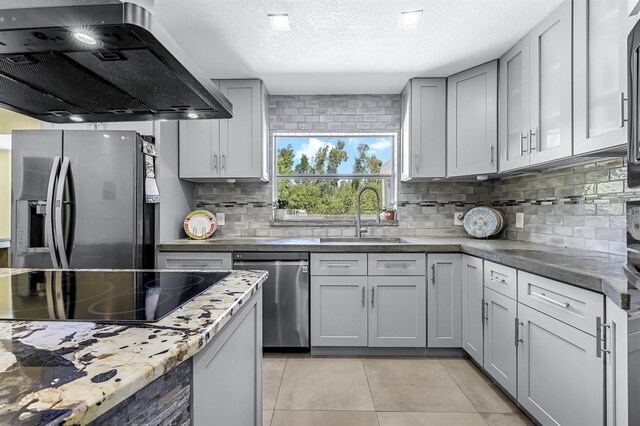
484,222
200,224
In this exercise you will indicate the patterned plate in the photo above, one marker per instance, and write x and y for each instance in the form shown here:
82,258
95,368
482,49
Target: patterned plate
200,224
633,222
482,222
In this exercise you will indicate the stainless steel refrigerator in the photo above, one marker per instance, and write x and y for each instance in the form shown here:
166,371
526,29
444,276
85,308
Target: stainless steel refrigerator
78,200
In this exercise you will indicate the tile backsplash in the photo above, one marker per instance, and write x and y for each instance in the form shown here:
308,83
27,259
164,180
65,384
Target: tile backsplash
577,206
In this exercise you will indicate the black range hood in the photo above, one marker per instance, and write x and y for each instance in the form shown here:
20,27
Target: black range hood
99,62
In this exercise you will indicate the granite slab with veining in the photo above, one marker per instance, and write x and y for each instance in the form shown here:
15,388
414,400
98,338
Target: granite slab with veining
595,271
66,372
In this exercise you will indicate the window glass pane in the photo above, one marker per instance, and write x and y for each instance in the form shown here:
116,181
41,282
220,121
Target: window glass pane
334,155
312,198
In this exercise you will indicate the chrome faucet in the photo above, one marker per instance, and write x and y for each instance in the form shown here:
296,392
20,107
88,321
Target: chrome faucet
359,230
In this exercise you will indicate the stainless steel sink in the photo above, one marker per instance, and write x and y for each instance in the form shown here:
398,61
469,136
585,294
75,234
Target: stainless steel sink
366,240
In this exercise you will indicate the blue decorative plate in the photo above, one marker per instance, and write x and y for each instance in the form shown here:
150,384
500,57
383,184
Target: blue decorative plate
482,222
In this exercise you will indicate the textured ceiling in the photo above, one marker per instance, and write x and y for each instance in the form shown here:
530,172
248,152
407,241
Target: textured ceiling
346,46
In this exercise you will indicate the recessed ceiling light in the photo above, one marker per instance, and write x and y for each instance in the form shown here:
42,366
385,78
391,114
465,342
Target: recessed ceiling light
192,115
410,18
85,38
75,118
279,21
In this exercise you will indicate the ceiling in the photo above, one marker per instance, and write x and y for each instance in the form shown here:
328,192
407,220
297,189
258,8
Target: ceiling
346,46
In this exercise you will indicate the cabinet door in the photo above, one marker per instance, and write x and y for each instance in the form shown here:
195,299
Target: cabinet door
338,311
241,136
397,312
560,378
616,365
600,30
472,121
444,301
227,373
199,144
514,107
499,343
425,141
472,307
551,130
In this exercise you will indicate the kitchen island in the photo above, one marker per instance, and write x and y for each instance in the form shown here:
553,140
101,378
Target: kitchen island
74,372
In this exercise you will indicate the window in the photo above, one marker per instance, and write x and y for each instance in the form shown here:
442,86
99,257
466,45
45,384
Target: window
319,176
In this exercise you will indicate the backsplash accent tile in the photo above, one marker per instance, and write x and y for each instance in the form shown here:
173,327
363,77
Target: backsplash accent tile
578,207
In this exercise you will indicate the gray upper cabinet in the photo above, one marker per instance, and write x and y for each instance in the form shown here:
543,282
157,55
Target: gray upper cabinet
472,307
235,148
472,122
444,301
397,311
560,378
551,132
514,107
600,31
423,131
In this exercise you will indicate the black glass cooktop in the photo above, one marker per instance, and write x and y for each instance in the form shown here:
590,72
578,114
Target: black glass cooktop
108,296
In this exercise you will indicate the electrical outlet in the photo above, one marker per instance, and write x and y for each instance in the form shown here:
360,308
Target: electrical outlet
220,218
519,220
458,218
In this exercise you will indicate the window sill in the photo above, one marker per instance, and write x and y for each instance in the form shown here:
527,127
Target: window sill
329,223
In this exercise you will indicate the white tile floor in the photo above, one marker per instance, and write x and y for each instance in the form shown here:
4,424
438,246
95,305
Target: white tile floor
318,391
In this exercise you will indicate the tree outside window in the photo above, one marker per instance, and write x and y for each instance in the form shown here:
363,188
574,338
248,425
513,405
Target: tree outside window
320,176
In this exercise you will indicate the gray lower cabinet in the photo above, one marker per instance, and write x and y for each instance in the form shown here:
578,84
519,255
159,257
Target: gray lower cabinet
398,314
472,121
227,373
500,353
472,307
339,310
444,301
193,260
617,365
560,378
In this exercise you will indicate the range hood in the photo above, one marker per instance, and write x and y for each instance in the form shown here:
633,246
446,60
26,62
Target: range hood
98,61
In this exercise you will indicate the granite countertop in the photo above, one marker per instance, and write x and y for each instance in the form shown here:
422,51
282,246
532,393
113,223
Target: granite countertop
70,372
595,271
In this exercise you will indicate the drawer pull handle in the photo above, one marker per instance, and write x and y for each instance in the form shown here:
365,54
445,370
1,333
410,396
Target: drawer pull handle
363,296
518,323
338,265
499,280
599,340
372,295
390,265
193,265
550,300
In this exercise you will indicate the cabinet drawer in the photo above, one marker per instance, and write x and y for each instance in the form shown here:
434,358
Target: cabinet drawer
569,304
338,264
188,260
397,264
501,278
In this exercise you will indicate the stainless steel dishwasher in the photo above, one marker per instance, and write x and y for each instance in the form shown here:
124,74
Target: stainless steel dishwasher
285,296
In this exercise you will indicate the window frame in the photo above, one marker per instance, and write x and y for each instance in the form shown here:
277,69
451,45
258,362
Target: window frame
387,198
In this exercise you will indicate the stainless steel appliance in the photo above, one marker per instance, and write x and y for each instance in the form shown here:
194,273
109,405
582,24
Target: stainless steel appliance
100,295
78,200
285,296
98,60
633,64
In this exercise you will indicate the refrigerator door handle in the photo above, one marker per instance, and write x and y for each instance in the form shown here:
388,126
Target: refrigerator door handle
59,205
49,212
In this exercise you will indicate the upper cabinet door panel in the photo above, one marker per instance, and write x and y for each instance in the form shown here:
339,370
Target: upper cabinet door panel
240,136
198,149
424,128
551,116
600,74
514,107
472,121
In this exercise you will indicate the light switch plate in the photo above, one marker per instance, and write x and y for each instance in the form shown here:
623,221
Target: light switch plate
220,218
519,220
458,218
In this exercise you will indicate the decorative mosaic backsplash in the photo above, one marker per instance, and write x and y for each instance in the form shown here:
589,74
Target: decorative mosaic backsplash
578,206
